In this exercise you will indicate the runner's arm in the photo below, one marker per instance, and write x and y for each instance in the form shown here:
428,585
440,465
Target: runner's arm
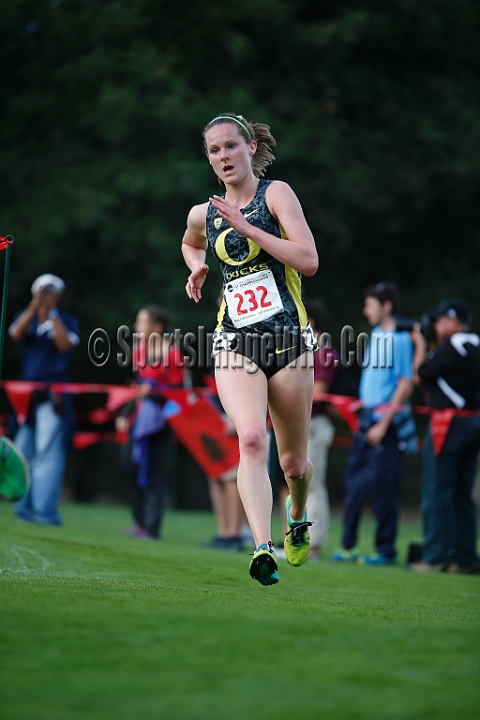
194,248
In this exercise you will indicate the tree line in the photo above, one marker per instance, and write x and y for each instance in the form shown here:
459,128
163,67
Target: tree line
375,107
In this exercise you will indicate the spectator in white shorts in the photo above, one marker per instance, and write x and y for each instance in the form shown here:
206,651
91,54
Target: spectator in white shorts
326,365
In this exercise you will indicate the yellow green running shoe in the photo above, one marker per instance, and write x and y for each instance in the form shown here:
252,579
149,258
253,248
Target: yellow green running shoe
297,539
263,566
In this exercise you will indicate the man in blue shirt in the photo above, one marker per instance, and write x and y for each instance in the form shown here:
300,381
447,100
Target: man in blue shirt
376,457
47,336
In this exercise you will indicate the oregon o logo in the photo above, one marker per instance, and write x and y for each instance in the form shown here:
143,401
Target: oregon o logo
221,250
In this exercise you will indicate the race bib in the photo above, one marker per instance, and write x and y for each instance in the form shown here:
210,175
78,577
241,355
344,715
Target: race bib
253,298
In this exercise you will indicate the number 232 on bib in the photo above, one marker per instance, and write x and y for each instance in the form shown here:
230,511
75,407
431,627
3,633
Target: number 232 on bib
253,298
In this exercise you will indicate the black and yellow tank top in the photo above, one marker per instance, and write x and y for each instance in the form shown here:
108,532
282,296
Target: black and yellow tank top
260,292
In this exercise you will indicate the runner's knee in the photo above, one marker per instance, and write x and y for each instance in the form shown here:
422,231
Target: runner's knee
253,441
292,465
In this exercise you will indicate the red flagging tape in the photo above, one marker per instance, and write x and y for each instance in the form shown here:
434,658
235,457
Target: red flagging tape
19,393
5,242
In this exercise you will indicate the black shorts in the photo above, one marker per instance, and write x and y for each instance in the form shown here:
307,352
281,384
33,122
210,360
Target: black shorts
269,352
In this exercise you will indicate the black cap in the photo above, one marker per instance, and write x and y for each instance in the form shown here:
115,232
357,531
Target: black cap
455,308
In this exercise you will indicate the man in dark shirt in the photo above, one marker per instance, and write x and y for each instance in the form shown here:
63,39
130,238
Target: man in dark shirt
451,376
47,336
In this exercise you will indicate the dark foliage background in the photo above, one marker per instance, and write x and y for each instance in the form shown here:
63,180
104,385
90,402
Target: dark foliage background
375,106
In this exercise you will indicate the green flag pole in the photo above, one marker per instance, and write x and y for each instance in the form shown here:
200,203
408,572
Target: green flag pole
9,239
14,469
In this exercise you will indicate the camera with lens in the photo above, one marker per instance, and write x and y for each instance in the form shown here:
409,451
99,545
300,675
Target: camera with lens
426,321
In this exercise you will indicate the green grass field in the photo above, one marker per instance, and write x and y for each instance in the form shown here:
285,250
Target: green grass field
97,625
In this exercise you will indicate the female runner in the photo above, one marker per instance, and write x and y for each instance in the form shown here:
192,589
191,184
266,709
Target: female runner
263,343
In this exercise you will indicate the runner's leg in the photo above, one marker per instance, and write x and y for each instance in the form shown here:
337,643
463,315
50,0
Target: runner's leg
243,394
290,393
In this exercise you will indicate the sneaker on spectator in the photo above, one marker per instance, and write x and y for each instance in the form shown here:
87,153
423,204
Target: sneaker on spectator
343,555
427,567
473,569
235,544
133,530
224,543
376,559
143,535
216,543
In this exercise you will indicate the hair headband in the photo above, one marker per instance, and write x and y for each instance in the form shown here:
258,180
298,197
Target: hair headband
229,117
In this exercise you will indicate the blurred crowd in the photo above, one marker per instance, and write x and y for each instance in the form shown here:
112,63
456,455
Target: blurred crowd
439,355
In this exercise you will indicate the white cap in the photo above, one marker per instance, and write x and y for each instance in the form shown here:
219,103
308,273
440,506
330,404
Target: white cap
56,284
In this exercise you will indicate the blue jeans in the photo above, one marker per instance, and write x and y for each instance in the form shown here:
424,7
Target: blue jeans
449,513
43,446
377,468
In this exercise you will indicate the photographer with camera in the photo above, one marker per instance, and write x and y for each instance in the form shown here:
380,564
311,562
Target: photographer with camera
47,336
451,375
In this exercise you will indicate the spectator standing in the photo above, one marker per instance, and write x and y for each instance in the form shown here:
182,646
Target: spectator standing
325,369
160,366
376,457
47,336
451,375
226,506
